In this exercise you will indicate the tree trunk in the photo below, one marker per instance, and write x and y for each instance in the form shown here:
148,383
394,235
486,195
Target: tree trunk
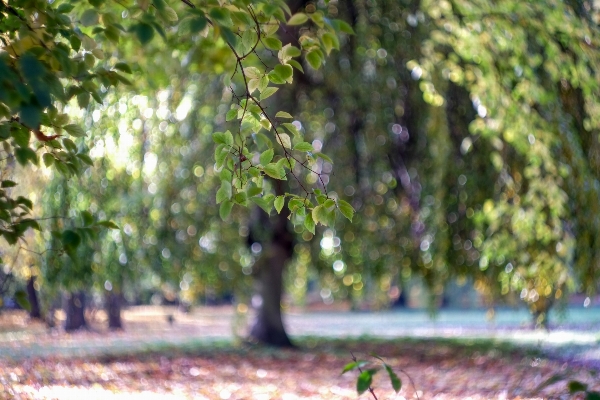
74,306
278,247
113,309
268,326
33,299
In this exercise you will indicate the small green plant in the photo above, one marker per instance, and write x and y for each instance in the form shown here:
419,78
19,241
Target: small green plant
574,387
580,387
366,371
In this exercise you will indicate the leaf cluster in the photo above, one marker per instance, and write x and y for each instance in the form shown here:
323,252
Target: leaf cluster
54,56
365,376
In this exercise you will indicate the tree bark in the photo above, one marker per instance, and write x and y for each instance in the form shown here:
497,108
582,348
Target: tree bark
268,326
113,310
33,299
74,306
278,248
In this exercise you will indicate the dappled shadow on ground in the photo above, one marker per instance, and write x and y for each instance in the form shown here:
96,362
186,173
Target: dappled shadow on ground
440,369
192,356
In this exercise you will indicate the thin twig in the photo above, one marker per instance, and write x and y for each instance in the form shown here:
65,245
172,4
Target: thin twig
371,390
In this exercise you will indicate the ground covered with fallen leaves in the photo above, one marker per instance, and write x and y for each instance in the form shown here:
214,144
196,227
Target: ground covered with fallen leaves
227,369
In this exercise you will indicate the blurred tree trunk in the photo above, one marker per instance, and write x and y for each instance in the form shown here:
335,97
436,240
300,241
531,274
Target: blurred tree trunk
113,309
74,306
33,299
277,248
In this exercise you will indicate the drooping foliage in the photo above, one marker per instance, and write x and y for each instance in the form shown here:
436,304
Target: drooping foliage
466,130
58,55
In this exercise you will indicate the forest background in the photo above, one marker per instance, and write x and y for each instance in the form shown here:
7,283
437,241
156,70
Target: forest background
229,150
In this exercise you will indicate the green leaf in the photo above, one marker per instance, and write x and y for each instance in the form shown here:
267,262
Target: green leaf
394,380
22,300
322,215
231,114
87,218
159,4
364,381
314,59
75,42
242,18
169,14
265,202
252,73
268,92
98,53
283,114
89,60
74,130
272,43
89,17
225,138
70,239
265,124
225,175
24,202
83,99
284,140
241,198
107,224
319,214
8,184
346,209
121,66
254,191
112,33
69,145
592,395
330,42
296,65
197,24
85,158
576,386
284,71
304,146
295,203
224,192
144,32
266,157
309,224
324,157
263,83
31,116
225,209
65,8
248,39
343,26
291,128
30,223
220,155
253,85
297,19
221,15
288,51
274,171
350,367
278,203
5,129
275,78
24,155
